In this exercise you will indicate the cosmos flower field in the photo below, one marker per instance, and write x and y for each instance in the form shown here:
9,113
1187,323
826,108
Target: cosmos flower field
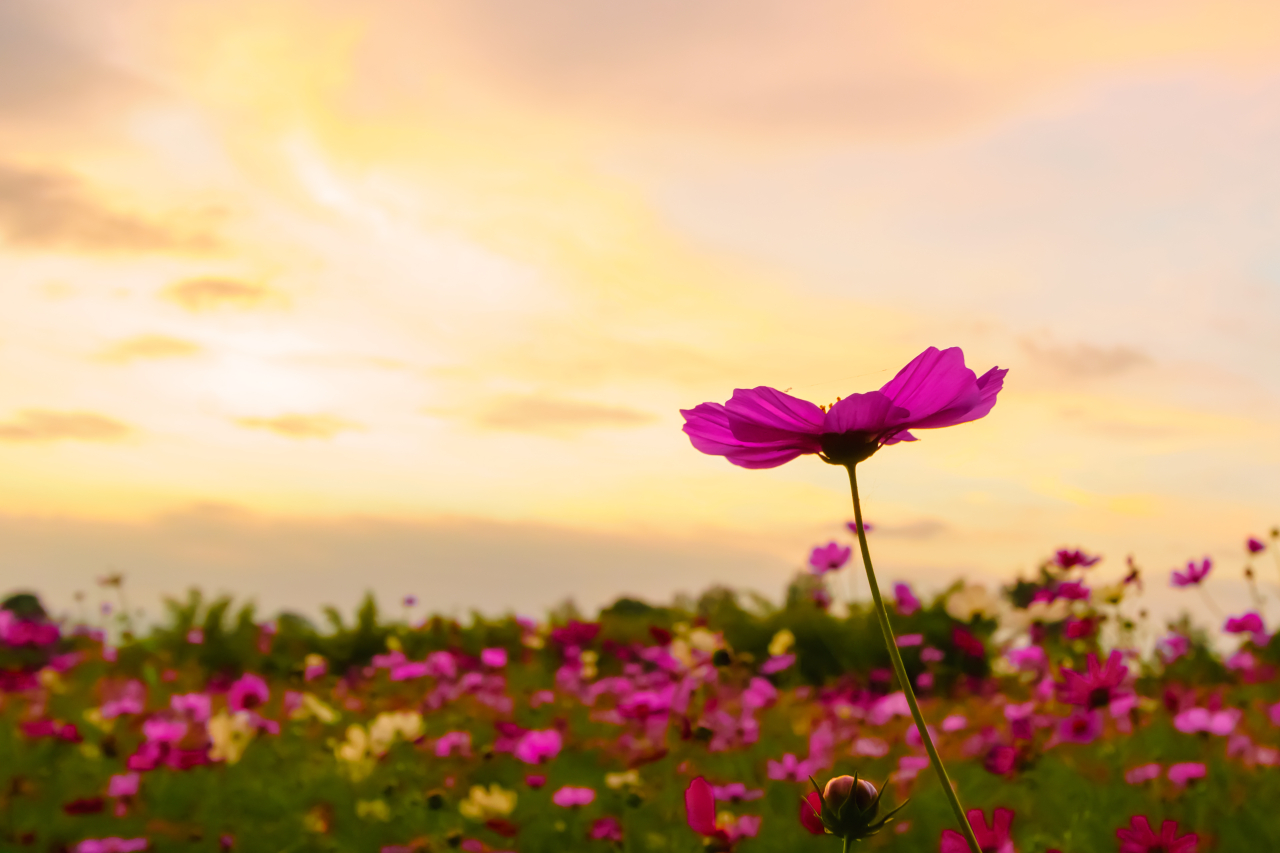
220,730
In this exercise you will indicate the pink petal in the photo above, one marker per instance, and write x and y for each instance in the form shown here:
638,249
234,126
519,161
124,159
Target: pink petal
700,806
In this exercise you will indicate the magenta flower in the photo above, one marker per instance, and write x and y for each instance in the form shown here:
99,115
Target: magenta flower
1249,623
700,812
1080,726
1143,773
763,428
994,839
1255,545
570,797
123,785
1098,686
606,829
1065,559
1194,574
736,792
1139,838
1181,774
811,813
495,657
904,599
112,844
828,558
1173,647
248,692
867,527
538,746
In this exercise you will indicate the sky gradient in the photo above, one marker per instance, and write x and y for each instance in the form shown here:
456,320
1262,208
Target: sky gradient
307,298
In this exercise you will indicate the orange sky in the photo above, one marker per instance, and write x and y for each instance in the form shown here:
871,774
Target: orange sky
303,298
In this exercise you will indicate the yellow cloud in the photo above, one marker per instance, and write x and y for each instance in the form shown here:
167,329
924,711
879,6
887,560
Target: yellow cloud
144,347
55,210
549,415
301,426
205,294
39,426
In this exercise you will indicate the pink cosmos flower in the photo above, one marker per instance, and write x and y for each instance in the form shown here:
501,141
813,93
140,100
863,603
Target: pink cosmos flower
828,558
450,741
909,766
538,746
1080,726
606,829
1139,838
955,723
736,792
867,527
195,705
1221,723
1143,773
123,785
905,600
994,839
248,691
496,657
908,640
763,427
1255,545
1066,559
700,812
569,796
776,664
1073,591
1098,686
1181,774
1173,647
195,636
1194,575
112,844
965,641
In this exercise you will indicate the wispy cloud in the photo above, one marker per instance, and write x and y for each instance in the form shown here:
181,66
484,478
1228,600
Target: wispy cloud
301,426
549,415
1086,361
48,209
146,347
38,426
213,293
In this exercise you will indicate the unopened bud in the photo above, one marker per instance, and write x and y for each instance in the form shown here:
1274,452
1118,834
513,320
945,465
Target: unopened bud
840,788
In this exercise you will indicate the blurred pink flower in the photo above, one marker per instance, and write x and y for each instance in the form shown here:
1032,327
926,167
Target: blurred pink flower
1255,545
123,785
570,796
1194,720
195,636
1069,559
111,844
1098,686
450,741
908,640
538,746
763,427
1143,773
1080,726
777,663
197,706
495,657
905,600
909,767
606,829
1194,574
247,692
1181,774
1172,647
1139,838
867,527
828,558
955,723
736,792
993,839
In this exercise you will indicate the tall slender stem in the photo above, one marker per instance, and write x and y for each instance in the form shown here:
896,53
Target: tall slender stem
895,656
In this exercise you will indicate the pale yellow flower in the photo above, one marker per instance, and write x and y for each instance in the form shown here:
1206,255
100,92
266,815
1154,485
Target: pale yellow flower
484,804
971,600
626,779
388,724
373,810
230,734
782,642
313,707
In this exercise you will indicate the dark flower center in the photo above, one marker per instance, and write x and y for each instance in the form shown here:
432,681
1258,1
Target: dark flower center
1099,696
848,448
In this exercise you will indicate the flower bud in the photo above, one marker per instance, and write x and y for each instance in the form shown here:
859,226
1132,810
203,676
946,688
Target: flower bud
849,808
840,788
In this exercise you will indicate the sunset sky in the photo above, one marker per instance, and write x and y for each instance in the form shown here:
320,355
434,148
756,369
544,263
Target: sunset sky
306,298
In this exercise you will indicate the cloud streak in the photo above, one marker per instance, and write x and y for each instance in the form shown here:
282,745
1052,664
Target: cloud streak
212,294
148,348
39,426
48,209
301,426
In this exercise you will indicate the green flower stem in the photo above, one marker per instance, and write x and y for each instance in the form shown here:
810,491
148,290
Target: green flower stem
847,842
891,643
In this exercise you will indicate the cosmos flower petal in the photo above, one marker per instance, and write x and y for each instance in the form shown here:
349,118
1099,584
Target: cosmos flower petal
934,383
872,412
700,806
764,414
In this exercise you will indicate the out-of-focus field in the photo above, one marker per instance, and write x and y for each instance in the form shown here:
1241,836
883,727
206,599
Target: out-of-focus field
219,730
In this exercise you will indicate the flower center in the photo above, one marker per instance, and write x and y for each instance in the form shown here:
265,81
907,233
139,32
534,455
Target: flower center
848,448
1099,696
